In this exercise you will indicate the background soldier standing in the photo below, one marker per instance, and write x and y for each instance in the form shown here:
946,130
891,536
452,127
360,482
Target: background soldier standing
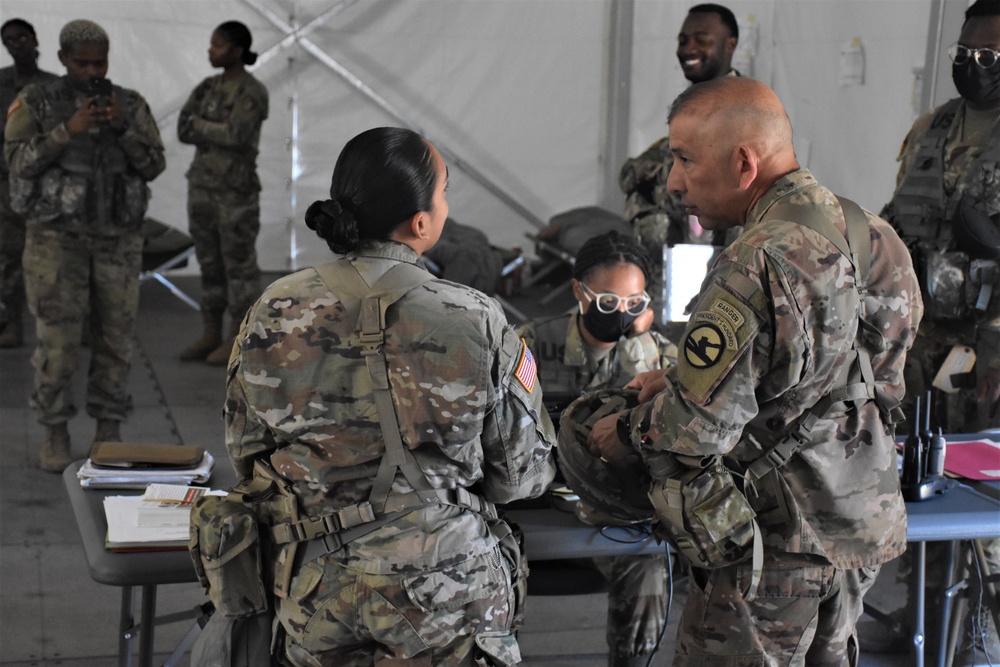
22,45
222,118
705,47
759,355
80,153
947,209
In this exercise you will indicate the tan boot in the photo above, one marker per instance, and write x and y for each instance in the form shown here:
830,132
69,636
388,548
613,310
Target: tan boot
108,430
211,338
220,355
12,334
55,450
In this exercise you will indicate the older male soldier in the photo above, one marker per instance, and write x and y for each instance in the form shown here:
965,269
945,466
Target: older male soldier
705,47
947,209
80,153
21,43
797,341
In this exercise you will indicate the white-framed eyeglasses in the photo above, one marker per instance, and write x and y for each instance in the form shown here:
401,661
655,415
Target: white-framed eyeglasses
985,58
608,302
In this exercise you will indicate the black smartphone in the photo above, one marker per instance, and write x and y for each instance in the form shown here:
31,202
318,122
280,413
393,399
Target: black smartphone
102,88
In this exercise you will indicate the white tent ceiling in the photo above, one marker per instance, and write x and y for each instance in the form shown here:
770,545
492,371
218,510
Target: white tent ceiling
514,92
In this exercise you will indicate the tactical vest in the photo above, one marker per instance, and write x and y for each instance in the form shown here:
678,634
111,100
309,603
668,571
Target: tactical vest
953,286
90,181
921,210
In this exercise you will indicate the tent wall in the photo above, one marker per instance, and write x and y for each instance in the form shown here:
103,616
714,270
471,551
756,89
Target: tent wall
516,89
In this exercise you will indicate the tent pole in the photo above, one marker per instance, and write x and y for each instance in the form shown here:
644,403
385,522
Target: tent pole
618,102
355,82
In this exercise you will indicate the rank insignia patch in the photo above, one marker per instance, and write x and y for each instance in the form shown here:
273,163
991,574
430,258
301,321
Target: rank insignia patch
526,371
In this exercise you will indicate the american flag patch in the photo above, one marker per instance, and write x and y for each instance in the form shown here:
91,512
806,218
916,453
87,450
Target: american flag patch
526,371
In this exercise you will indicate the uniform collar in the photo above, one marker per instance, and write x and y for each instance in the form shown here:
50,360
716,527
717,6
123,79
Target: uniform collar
786,186
387,250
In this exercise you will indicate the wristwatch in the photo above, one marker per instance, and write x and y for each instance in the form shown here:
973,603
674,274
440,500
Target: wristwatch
624,427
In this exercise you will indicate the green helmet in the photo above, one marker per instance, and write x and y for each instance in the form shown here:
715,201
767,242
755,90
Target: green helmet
620,491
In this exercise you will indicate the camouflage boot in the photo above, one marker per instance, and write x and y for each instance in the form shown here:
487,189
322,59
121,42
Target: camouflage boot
55,450
108,430
211,338
12,334
220,355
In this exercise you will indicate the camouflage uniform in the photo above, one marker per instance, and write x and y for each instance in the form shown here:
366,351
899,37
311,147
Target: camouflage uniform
222,119
771,335
638,595
943,158
76,253
426,587
11,224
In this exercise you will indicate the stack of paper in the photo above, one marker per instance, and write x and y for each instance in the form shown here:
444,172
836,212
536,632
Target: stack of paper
93,477
158,519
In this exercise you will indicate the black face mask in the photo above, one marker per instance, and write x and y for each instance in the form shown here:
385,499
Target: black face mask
607,327
978,85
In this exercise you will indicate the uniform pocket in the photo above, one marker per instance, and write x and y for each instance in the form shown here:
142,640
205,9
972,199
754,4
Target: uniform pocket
496,649
456,586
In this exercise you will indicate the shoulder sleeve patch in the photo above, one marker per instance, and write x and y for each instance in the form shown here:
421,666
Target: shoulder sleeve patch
526,372
716,337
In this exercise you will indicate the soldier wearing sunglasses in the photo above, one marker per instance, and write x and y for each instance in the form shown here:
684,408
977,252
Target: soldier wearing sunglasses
947,209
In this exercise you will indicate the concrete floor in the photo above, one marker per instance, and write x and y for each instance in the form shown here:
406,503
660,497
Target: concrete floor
53,613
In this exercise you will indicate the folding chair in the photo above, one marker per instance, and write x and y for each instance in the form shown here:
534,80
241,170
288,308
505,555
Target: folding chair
560,241
165,248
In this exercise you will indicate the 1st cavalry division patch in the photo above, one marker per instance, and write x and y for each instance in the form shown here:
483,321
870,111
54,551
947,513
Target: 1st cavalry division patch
526,371
714,340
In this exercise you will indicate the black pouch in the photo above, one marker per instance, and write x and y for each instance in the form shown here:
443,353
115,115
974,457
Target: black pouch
227,553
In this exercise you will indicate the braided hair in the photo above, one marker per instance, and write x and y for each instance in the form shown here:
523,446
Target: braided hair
383,177
608,250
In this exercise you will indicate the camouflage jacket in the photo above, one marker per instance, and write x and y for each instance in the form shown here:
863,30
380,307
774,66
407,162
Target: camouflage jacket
10,86
771,335
222,119
463,384
566,364
57,180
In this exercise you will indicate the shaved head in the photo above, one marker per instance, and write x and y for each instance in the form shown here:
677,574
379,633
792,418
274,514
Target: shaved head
731,140
740,110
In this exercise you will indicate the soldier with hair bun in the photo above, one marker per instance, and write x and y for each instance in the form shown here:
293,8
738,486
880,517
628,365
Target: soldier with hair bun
403,403
222,118
80,152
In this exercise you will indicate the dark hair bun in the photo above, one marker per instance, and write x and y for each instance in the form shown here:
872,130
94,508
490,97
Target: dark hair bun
333,223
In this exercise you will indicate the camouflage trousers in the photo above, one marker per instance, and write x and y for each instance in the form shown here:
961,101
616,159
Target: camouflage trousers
804,613
224,226
455,615
64,275
11,249
637,603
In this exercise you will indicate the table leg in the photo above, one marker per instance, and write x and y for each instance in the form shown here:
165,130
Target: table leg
919,576
126,627
147,625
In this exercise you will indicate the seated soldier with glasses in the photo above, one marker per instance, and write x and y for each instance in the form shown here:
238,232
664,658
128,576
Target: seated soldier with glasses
602,344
